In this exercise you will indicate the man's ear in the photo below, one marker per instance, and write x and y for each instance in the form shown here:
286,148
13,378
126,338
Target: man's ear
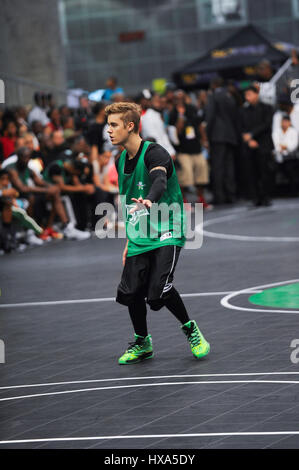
131,126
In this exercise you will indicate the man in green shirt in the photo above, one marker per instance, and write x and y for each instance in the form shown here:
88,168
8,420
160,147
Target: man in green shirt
146,176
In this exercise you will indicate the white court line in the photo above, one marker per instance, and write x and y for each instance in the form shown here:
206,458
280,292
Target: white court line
226,236
118,379
153,436
106,299
225,301
118,387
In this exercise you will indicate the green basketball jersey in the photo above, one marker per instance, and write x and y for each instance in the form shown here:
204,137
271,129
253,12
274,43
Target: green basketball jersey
24,174
164,223
65,175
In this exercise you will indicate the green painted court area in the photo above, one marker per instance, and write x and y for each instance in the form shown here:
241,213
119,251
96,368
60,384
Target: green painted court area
283,296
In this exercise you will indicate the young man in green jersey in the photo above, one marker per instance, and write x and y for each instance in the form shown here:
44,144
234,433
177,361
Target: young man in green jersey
146,176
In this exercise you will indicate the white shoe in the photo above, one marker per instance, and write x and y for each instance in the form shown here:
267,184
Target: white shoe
32,239
71,233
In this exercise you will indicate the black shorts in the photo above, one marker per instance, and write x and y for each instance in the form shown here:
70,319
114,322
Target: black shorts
148,275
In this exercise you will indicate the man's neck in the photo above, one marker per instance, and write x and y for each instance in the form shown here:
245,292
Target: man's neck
132,145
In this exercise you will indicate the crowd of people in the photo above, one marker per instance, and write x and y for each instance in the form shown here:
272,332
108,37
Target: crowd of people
57,164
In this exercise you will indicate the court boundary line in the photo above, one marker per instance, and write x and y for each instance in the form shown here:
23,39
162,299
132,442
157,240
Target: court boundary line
153,436
122,379
156,384
109,299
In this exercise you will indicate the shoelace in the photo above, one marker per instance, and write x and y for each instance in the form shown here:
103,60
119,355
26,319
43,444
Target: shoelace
195,338
134,346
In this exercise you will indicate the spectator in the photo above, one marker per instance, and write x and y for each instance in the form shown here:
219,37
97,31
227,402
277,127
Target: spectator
96,137
12,209
56,148
152,125
35,163
74,178
258,145
38,192
65,111
8,140
83,114
55,121
37,129
68,125
267,89
285,142
38,112
222,132
111,89
193,166
285,106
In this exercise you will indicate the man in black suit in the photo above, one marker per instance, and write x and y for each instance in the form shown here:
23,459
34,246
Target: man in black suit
223,136
256,122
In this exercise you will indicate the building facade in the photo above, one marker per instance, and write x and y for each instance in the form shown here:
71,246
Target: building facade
31,52
139,40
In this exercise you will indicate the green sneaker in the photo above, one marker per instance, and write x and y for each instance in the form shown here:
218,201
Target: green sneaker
138,351
199,346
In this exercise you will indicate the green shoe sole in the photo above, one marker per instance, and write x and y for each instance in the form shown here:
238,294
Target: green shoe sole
145,356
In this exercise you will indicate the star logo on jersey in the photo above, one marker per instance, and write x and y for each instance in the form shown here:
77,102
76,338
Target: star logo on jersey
140,185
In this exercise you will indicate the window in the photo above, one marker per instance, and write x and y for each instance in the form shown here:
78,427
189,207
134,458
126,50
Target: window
213,13
296,8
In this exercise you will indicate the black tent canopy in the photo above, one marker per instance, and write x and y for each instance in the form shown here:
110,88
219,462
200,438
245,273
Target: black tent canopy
236,57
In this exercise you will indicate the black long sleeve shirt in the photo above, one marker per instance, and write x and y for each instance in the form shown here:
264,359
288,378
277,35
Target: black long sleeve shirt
155,156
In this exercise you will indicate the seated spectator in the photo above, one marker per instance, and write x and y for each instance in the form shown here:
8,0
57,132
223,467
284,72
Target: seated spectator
73,177
21,117
286,142
56,148
55,121
65,111
68,125
8,140
13,209
35,163
38,193
37,129
106,184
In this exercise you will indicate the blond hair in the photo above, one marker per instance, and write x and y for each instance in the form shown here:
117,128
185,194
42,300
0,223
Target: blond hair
130,112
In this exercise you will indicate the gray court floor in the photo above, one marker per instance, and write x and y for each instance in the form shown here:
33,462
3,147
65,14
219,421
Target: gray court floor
61,385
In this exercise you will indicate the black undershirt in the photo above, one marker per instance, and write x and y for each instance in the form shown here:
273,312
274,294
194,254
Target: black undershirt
155,155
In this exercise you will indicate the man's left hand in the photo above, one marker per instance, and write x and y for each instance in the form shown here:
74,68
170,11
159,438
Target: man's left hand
140,204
